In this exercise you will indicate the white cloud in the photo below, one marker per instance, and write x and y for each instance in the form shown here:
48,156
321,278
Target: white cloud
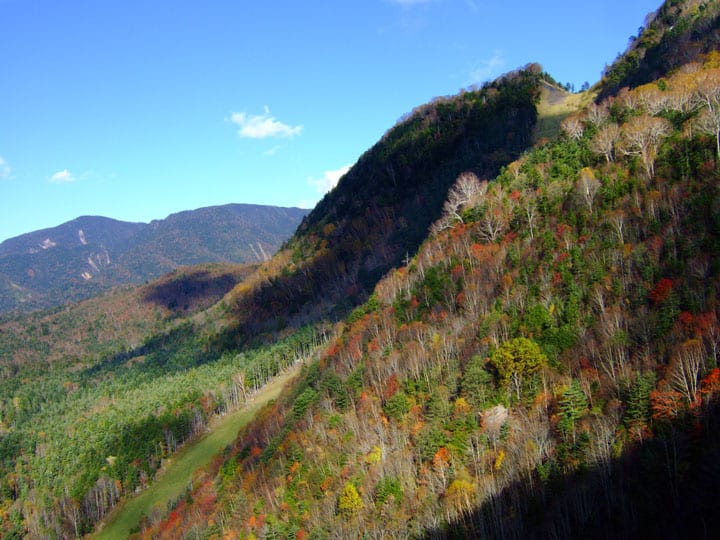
488,69
329,179
4,169
61,177
262,126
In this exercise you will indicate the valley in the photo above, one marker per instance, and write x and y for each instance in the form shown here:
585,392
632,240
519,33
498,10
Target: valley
502,322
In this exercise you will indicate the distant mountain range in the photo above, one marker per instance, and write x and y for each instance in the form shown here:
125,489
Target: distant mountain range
92,254
505,320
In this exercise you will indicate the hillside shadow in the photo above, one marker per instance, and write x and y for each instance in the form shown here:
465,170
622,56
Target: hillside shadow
189,292
666,487
175,350
183,345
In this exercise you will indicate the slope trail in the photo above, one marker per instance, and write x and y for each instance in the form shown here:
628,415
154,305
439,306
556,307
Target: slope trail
173,480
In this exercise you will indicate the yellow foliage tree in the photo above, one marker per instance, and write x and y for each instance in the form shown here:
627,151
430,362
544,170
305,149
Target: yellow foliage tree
460,495
350,502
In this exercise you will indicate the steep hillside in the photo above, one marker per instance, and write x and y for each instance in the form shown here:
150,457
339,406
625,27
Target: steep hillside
546,366
680,31
380,210
88,255
94,403
496,341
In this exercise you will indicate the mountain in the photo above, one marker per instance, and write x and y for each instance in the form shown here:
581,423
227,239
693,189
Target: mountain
545,366
104,394
504,321
380,211
88,255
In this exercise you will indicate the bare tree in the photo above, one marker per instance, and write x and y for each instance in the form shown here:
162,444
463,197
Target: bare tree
707,89
681,96
514,169
708,121
587,187
611,329
530,210
616,219
467,187
652,200
688,362
642,136
597,114
605,141
652,98
467,190
494,219
573,127
707,95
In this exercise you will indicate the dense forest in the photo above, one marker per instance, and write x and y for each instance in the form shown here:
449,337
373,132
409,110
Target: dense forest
95,396
506,320
381,209
546,365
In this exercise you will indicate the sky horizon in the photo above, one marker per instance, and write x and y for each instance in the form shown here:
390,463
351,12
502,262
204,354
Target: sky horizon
136,110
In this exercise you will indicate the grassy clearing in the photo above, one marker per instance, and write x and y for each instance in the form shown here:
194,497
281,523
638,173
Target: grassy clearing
554,106
176,475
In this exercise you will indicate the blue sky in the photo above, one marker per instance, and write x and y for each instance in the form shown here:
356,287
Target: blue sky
137,109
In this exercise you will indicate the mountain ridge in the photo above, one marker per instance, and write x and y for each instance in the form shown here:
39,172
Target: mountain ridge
543,363
546,366
382,207
90,254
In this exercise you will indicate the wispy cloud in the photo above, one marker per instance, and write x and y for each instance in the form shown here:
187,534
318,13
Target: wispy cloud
408,3
4,169
488,68
262,126
329,179
272,151
62,177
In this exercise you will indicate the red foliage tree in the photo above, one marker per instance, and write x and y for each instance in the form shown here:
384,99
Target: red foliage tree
710,384
391,387
661,291
665,404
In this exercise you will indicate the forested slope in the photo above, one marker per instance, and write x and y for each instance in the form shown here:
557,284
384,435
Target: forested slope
104,392
680,31
545,366
381,209
95,396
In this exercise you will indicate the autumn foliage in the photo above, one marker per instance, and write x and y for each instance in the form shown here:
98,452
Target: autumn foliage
543,362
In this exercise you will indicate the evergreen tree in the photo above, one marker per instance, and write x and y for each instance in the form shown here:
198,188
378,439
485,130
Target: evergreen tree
573,405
